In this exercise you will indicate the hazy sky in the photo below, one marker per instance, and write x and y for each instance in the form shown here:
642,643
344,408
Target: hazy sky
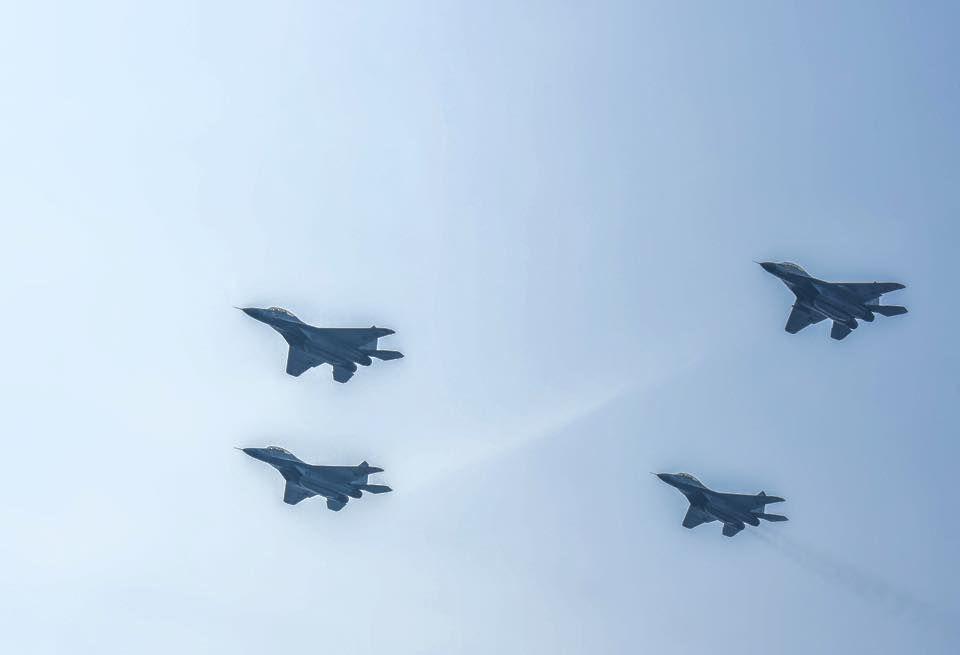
557,205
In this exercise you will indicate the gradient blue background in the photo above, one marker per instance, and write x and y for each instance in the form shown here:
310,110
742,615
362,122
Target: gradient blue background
557,206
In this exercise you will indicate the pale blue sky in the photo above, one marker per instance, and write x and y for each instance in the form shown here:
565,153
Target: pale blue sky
557,206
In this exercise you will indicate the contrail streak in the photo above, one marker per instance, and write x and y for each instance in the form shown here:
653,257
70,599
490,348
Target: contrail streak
867,586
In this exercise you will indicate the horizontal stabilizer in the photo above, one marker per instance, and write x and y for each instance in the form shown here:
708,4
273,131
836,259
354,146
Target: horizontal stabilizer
772,517
341,373
376,488
385,355
839,331
730,529
769,499
887,310
336,504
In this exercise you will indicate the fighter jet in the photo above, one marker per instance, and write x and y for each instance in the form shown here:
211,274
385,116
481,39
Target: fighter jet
841,302
733,510
342,348
336,483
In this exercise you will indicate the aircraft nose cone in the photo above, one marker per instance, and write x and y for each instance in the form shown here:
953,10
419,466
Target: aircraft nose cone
663,476
769,267
253,452
257,313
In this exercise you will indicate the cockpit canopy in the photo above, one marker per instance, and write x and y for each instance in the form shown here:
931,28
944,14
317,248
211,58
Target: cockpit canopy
793,268
689,478
285,312
277,450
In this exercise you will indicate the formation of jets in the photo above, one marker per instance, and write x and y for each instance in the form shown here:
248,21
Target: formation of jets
844,303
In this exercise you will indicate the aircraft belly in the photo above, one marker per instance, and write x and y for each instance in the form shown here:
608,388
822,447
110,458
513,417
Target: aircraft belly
844,301
725,514
338,354
354,355
326,488
319,489
326,356
832,311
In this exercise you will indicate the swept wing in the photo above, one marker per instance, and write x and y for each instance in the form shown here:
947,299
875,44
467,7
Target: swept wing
867,291
293,493
298,361
800,318
696,516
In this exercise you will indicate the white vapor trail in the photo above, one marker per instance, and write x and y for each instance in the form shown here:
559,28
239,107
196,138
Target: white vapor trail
868,587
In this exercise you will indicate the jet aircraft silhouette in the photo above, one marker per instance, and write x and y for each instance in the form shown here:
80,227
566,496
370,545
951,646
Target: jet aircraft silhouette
841,302
733,510
342,348
338,484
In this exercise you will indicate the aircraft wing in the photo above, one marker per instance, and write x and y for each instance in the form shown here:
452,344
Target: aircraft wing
293,493
299,361
867,291
800,318
695,517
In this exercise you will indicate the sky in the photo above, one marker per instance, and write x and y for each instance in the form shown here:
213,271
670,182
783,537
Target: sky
557,206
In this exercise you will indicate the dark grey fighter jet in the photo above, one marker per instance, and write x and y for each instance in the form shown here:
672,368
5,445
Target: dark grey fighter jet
342,348
841,302
336,483
733,510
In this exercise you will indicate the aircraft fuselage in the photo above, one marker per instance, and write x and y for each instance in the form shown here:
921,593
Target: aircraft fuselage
829,300
326,349
326,481
331,484
713,504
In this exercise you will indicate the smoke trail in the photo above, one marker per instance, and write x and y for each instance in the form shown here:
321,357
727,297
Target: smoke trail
866,586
